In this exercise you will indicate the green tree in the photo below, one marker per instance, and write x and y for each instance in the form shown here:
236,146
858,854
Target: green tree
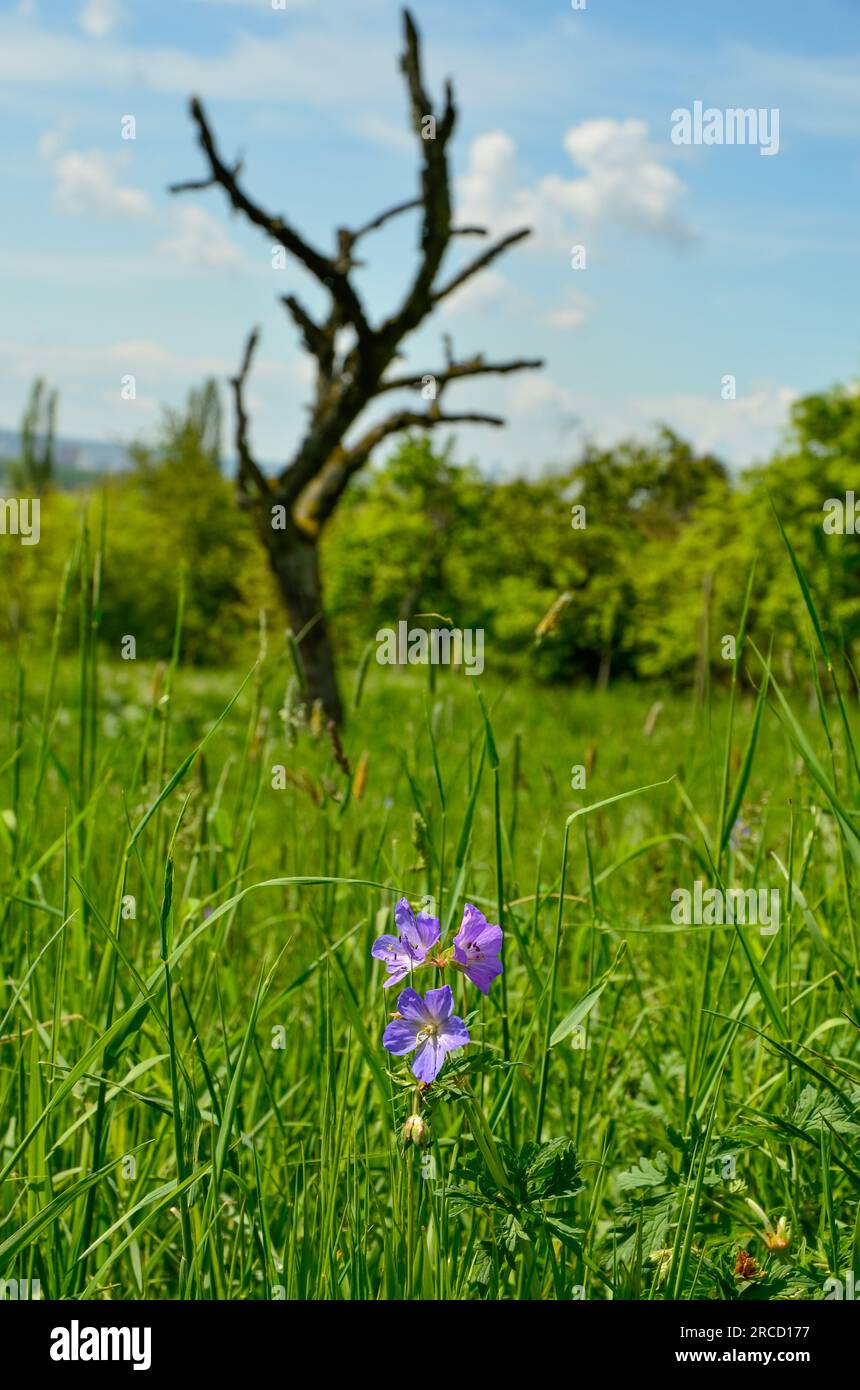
175,509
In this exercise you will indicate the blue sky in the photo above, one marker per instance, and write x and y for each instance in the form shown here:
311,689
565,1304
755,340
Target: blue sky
702,261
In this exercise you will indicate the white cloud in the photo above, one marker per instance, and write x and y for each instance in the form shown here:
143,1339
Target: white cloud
571,312
201,241
255,4
739,430
99,17
537,406
86,182
75,363
89,382
341,57
323,63
383,132
143,354
481,293
52,142
487,194
549,422
622,183
536,391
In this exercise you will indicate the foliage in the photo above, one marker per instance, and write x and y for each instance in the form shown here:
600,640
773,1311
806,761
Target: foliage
669,540
173,514
648,589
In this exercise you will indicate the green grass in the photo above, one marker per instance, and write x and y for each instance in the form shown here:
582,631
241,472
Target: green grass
633,1087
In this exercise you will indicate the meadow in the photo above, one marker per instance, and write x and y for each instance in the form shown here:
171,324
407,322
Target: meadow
194,1097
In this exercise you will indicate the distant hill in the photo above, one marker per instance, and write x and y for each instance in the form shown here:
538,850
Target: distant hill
85,456
82,461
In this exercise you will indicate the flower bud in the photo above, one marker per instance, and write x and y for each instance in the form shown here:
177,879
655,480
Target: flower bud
779,1240
417,1131
745,1266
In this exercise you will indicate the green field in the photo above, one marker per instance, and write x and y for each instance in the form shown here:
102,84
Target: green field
194,1097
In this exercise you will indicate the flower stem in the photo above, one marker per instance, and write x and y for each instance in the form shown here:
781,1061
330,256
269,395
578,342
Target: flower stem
410,1223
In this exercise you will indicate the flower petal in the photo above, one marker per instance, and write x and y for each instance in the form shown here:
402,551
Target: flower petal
476,934
483,972
489,940
399,960
453,1033
412,1006
393,951
439,1003
400,1036
473,922
396,975
405,919
427,932
428,1060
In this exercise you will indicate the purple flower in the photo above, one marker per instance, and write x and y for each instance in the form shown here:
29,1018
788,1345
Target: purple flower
476,947
427,1024
740,832
403,953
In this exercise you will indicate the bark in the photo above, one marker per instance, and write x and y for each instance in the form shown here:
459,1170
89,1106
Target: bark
295,563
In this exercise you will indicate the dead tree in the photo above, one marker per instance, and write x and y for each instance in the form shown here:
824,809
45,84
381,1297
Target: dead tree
353,357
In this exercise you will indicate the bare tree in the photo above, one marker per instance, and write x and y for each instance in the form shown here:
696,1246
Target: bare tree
353,357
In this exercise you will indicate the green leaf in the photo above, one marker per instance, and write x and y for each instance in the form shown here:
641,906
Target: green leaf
646,1174
583,1008
553,1171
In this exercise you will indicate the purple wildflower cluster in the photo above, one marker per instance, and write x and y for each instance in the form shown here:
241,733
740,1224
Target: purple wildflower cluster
428,1026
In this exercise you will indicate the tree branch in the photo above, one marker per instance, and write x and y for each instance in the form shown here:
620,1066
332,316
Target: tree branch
324,492
358,379
480,262
382,219
435,188
475,366
331,275
317,338
408,419
249,472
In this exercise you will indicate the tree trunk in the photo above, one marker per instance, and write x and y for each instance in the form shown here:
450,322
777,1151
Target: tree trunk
294,558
